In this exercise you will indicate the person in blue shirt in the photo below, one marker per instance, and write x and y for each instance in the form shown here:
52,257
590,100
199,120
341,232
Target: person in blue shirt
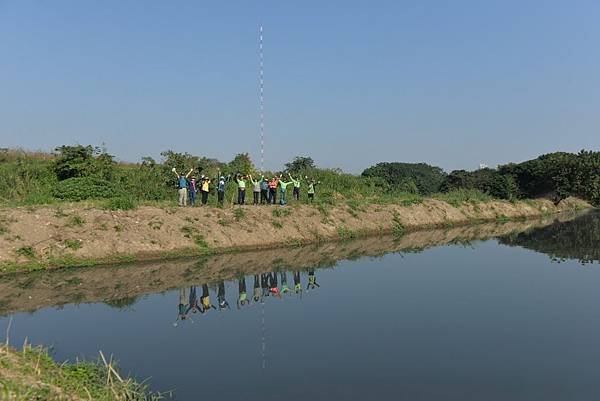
183,184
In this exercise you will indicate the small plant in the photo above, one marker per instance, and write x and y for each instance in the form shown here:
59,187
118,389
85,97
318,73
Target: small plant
224,222
121,203
277,224
103,227
72,243
346,234
75,221
118,228
238,214
27,252
281,212
193,233
397,226
502,218
155,224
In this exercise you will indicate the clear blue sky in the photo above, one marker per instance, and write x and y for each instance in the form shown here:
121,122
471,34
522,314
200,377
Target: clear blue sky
452,83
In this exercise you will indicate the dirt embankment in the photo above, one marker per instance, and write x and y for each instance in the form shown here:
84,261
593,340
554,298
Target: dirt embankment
62,236
121,284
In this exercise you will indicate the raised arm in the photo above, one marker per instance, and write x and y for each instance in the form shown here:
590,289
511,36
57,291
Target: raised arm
189,172
174,170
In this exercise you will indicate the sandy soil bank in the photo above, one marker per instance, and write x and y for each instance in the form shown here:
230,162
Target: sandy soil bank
75,235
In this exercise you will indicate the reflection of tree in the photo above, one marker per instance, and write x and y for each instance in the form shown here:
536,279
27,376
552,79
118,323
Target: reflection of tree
576,239
121,303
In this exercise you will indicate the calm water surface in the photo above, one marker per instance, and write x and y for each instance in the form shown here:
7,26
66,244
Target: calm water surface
491,320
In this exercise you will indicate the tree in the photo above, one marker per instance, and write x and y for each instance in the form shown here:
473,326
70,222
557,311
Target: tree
82,161
428,179
300,164
241,163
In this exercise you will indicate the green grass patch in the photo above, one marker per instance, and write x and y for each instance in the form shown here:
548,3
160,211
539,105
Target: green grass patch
75,221
121,203
238,213
277,224
72,243
281,212
346,233
26,251
461,196
502,218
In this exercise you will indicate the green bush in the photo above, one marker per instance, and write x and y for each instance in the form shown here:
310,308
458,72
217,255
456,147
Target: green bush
80,188
121,203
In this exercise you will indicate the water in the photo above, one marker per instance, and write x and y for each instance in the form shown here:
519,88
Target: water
477,317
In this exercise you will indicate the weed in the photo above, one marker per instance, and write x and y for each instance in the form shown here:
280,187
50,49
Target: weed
75,221
121,203
195,235
224,222
277,224
118,228
72,243
281,212
502,218
26,251
346,234
397,226
238,214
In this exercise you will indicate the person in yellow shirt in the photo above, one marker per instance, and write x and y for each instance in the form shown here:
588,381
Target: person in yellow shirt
204,189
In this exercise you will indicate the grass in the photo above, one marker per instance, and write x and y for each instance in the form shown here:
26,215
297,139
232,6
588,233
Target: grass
346,233
398,229
277,224
75,221
461,196
239,214
31,374
121,204
72,243
26,251
502,218
193,233
281,212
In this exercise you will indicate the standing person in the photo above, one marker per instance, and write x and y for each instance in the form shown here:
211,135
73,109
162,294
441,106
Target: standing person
296,193
193,301
223,304
255,189
240,180
273,288
311,190
273,190
221,190
264,190
282,190
243,295
182,182
181,307
192,191
204,188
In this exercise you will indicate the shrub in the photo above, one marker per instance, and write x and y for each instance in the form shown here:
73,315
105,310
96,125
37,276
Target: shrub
26,251
121,203
80,188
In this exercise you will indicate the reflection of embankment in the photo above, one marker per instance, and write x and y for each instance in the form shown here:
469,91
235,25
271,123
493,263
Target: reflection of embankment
578,239
118,284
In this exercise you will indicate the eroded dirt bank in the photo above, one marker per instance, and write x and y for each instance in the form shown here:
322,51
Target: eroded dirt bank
63,236
121,284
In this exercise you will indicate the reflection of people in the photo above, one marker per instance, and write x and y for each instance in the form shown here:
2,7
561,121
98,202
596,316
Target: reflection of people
223,304
297,283
205,299
284,285
243,296
182,307
193,301
257,291
264,285
273,284
312,280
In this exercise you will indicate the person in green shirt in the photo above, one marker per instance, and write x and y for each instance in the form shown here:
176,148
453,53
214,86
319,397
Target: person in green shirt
240,180
311,189
296,193
312,280
282,190
284,284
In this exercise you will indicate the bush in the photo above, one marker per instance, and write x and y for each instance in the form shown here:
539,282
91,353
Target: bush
121,203
409,177
80,188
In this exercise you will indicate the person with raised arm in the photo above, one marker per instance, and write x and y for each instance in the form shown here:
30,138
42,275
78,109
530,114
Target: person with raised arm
240,180
204,189
222,182
282,190
255,189
312,280
243,295
257,294
264,191
311,189
182,183
297,283
205,299
296,193
273,190
222,302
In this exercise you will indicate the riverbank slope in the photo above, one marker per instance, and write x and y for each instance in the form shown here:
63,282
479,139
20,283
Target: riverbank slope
76,235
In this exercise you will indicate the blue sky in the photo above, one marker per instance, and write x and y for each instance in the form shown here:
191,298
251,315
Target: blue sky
451,83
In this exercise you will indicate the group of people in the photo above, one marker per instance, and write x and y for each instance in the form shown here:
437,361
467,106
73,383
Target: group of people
264,190
265,285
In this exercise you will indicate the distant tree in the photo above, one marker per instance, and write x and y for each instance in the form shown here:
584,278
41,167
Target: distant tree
428,179
300,164
241,163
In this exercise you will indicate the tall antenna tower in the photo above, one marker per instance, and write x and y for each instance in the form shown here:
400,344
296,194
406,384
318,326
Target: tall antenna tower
261,85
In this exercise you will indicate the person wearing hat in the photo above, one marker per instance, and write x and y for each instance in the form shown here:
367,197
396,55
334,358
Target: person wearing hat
221,189
264,190
255,189
204,188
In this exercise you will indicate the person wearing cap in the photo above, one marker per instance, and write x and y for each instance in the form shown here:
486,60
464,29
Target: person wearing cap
191,189
204,189
221,190
240,180
282,190
264,190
